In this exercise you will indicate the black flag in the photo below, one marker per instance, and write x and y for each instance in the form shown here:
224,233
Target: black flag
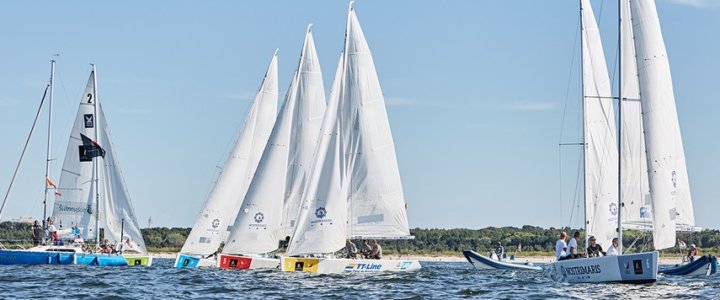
90,149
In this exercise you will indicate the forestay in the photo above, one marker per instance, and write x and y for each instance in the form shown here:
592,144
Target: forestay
600,142
257,226
354,187
666,158
224,201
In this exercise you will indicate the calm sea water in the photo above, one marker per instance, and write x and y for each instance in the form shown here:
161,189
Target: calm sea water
435,281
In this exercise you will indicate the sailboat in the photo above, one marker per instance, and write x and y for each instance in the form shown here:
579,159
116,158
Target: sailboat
652,156
90,170
353,189
92,196
223,203
647,95
281,171
600,157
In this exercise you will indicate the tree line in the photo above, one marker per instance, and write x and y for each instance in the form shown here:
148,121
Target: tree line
530,239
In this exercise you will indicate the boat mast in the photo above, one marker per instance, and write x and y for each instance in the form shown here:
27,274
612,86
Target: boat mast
619,132
584,142
49,148
95,161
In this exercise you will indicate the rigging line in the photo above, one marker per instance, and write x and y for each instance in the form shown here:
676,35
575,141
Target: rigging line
564,114
22,155
569,81
575,194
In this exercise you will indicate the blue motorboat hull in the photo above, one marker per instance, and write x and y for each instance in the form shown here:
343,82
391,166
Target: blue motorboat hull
23,257
483,262
26,257
705,265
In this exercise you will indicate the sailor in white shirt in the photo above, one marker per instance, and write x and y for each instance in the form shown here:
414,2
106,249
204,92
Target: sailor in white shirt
613,250
573,246
560,246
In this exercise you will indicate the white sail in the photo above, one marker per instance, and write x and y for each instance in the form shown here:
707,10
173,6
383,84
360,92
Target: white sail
669,187
601,159
75,199
637,204
321,226
355,167
258,223
223,203
118,211
304,134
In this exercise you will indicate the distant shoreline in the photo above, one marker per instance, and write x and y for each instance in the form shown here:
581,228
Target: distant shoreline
449,258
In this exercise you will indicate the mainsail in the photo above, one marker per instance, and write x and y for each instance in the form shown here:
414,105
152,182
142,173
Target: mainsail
223,203
75,199
669,186
258,223
637,204
354,188
601,211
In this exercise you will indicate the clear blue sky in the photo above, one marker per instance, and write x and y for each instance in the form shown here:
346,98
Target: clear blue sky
475,89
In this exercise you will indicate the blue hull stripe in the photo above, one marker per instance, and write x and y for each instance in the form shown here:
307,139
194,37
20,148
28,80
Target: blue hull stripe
20,257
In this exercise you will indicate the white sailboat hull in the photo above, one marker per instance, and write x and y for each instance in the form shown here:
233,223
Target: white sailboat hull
629,268
344,265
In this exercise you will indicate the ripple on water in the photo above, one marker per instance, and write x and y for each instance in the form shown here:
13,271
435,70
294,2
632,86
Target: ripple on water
436,280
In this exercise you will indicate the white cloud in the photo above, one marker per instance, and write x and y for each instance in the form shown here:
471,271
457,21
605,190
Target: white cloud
531,106
697,3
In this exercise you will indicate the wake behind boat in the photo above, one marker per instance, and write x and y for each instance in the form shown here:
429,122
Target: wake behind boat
481,262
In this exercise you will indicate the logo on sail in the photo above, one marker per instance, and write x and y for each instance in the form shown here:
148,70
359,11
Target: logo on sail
89,121
259,217
674,179
320,212
613,209
215,223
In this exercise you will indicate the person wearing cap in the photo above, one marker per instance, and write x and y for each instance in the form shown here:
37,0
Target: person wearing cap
692,253
594,250
499,250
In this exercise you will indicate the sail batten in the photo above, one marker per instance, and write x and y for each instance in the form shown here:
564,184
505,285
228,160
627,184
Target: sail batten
223,203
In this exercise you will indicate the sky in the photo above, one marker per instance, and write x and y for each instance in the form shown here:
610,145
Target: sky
479,95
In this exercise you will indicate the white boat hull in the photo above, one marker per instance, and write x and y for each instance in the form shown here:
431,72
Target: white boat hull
481,262
343,265
629,268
